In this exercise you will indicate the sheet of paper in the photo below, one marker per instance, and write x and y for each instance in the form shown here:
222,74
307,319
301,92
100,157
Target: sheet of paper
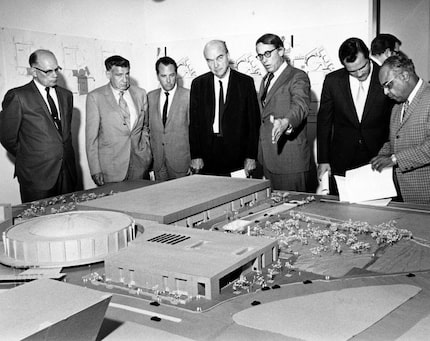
362,184
377,202
239,174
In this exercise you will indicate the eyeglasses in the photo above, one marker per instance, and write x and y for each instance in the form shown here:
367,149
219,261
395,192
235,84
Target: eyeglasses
49,72
387,85
266,54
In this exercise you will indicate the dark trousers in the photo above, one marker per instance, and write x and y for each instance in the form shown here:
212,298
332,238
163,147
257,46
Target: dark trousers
65,184
216,161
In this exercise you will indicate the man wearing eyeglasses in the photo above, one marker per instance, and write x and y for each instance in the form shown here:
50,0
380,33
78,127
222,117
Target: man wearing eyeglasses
284,101
35,128
224,117
353,118
408,149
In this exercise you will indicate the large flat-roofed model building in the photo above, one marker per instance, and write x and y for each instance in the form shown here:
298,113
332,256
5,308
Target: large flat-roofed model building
186,261
187,201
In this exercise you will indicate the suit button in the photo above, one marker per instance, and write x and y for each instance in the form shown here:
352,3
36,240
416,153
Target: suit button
397,137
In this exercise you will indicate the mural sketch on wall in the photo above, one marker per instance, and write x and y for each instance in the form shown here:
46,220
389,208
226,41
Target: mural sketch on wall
248,64
76,70
186,71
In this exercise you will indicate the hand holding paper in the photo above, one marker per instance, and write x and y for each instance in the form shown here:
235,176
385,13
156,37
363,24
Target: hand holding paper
362,184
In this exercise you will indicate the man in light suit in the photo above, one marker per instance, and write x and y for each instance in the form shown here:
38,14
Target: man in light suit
284,101
117,137
353,118
224,117
168,123
408,149
35,128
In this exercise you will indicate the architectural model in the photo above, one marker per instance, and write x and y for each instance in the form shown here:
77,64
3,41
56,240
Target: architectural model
67,239
187,201
190,262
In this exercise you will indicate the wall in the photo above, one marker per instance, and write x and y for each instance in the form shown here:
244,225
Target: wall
410,22
148,25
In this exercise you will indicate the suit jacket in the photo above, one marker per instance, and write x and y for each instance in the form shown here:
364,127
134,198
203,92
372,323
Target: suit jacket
170,144
339,132
289,97
410,142
28,132
240,121
112,148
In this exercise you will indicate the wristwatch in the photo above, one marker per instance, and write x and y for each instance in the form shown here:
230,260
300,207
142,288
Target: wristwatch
393,159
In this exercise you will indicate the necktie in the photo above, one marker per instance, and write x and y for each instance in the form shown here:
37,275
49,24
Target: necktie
54,111
220,106
166,105
124,108
404,110
360,100
266,87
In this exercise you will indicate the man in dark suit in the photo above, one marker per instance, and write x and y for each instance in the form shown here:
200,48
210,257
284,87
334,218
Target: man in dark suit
354,114
284,100
168,123
224,117
408,149
35,128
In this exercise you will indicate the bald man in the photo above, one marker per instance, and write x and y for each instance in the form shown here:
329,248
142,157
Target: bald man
35,128
224,117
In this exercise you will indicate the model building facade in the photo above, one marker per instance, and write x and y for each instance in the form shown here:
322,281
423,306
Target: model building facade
187,261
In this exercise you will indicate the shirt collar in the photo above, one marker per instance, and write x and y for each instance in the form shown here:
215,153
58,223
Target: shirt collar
41,88
414,92
280,69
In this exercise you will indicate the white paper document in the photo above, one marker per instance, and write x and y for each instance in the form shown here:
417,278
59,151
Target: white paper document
239,174
363,183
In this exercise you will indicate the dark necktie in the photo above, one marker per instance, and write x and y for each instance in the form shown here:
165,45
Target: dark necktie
266,87
124,107
404,110
165,107
54,111
220,106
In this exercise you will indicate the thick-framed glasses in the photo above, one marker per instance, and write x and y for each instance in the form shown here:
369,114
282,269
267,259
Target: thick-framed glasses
49,72
388,84
266,54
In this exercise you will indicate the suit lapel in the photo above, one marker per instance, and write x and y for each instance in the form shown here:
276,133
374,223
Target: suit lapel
345,89
374,89
282,79
136,104
211,96
412,105
110,98
63,110
175,104
230,89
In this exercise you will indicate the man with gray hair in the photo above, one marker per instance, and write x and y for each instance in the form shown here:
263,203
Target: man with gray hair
408,149
224,117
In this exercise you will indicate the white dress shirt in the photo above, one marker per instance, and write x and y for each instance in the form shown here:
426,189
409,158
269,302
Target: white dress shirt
224,81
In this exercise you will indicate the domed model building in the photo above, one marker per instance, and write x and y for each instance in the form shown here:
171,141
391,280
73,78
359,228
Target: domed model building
67,239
